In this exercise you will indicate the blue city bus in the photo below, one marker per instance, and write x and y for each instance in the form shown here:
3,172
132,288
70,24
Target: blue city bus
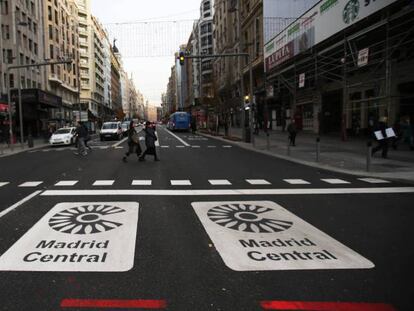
179,121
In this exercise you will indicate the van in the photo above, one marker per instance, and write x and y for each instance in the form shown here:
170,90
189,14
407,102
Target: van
111,130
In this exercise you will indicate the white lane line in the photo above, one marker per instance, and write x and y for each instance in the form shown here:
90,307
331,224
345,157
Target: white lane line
216,192
66,183
181,146
296,181
258,182
120,142
195,146
219,182
3,184
103,183
180,182
31,184
16,205
178,138
334,181
227,146
119,147
211,146
141,182
374,180
165,146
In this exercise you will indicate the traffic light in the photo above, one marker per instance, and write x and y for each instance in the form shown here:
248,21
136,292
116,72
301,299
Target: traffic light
182,58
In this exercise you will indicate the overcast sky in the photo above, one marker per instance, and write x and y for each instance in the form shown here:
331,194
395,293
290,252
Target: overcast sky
150,73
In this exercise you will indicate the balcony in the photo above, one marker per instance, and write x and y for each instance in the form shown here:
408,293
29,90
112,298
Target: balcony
54,78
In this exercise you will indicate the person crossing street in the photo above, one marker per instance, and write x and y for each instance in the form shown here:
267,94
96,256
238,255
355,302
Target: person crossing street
81,134
133,142
150,139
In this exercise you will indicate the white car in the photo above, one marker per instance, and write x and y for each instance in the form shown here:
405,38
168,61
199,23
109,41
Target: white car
111,130
63,136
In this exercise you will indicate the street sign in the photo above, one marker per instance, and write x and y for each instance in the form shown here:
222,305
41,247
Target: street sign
363,57
262,235
86,236
301,80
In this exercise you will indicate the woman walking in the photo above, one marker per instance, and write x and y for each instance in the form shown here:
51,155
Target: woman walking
133,142
150,139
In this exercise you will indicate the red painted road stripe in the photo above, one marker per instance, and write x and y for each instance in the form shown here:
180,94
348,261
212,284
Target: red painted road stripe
113,303
325,306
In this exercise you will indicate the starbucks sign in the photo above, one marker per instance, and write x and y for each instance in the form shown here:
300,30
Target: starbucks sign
351,11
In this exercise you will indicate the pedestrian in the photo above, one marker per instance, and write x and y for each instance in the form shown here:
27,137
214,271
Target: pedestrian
292,130
87,137
81,134
133,142
150,139
193,125
382,142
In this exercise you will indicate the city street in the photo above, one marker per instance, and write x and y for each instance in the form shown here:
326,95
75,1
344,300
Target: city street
210,227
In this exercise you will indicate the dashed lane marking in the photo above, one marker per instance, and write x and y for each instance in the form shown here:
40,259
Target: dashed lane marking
180,146
227,146
103,183
141,182
374,180
66,183
31,184
185,182
211,146
323,306
218,192
296,181
2,184
106,303
336,181
219,182
258,182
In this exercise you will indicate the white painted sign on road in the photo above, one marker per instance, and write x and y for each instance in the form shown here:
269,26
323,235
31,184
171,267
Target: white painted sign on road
262,235
97,236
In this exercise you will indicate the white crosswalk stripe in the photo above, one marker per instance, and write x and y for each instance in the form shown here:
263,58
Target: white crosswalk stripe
185,182
374,180
31,184
296,181
227,146
336,181
141,182
103,183
258,182
66,183
219,182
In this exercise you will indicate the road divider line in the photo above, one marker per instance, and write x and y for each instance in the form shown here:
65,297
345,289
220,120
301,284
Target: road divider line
216,192
325,306
113,303
178,138
21,202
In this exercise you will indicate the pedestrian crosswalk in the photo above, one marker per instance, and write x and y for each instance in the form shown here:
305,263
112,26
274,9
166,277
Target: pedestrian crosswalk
188,182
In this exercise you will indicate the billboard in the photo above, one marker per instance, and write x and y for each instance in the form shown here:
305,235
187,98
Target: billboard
324,20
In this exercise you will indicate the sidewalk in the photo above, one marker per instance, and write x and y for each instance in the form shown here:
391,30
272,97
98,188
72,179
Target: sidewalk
348,157
6,150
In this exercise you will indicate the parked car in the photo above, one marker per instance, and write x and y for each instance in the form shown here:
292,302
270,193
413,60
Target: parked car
125,127
111,130
63,136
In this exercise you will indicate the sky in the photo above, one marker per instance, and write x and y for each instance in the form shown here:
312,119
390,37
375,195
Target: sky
161,25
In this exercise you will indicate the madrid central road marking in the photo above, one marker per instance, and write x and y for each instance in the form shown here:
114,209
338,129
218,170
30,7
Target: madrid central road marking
217,192
83,236
262,235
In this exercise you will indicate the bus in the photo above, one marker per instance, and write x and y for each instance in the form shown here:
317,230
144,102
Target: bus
179,121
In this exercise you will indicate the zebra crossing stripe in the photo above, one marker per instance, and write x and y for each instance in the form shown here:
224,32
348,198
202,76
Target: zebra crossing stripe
141,182
296,181
103,183
66,183
374,180
31,184
258,182
219,182
180,182
336,181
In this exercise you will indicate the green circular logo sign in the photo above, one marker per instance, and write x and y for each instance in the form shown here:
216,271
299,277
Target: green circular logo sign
351,11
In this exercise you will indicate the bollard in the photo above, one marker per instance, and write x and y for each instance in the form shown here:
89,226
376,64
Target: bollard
318,148
268,141
369,155
30,143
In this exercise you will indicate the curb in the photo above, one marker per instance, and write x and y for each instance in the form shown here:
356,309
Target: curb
248,146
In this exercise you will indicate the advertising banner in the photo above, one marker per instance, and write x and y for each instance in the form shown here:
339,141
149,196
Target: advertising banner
324,20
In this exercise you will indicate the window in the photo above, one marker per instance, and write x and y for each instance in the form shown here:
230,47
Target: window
35,48
49,13
9,56
4,7
50,32
11,80
51,54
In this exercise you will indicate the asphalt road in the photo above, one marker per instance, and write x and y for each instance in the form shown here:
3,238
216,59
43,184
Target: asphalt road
172,254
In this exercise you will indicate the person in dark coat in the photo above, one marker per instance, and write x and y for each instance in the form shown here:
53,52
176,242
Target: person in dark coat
133,142
382,143
292,130
150,139
81,134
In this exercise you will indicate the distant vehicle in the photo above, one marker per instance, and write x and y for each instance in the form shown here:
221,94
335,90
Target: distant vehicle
125,127
179,121
111,130
63,136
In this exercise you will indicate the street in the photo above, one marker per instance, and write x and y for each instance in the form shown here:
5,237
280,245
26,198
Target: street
187,233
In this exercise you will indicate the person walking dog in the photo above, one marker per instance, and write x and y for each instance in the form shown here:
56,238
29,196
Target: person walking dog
133,142
150,139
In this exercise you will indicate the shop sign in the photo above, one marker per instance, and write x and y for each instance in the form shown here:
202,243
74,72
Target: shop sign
262,235
280,56
363,57
324,20
79,237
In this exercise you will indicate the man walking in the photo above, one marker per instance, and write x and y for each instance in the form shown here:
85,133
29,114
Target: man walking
150,139
382,143
292,130
133,142
81,134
